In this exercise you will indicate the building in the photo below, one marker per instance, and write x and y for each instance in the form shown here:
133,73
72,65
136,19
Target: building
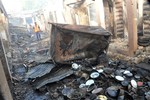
4,45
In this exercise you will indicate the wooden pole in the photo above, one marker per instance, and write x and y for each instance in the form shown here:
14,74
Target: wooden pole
4,87
132,25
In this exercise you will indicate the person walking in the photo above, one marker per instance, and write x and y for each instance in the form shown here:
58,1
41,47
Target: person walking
37,31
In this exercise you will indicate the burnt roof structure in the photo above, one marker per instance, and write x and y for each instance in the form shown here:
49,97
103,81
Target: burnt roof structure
3,9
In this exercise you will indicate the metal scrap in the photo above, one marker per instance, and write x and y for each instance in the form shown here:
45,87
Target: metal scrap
144,66
39,70
53,77
73,42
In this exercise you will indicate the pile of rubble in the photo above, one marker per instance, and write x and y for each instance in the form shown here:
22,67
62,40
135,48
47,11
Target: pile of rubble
24,46
81,81
79,68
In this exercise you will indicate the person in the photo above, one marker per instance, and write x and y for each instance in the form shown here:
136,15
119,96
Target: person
37,31
30,30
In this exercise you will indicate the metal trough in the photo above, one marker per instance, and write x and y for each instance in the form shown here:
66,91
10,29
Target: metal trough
73,42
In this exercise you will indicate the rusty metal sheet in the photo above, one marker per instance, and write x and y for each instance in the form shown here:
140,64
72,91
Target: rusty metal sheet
39,70
72,42
55,76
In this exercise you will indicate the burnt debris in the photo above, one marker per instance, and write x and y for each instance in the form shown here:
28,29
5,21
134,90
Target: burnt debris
76,42
39,70
79,82
79,68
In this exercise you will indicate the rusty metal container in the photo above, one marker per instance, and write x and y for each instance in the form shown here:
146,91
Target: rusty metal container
73,42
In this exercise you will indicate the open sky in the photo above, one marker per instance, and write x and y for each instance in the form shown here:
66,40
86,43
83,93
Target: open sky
16,6
12,5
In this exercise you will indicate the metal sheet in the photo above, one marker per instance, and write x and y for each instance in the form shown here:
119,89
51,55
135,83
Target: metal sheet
58,75
144,66
72,42
39,70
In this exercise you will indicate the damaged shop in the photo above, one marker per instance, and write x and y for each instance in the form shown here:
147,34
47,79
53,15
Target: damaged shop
79,68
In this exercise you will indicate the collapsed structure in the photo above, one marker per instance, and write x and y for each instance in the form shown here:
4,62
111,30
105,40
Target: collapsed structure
74,64
82,70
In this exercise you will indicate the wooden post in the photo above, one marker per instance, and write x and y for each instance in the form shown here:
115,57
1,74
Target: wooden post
4,87
4,60
100,13
132,25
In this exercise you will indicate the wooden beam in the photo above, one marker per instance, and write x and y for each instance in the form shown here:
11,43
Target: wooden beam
132,25
4,86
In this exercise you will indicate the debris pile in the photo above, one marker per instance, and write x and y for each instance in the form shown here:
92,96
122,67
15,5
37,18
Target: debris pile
79,68
82,77
77,81
26,50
